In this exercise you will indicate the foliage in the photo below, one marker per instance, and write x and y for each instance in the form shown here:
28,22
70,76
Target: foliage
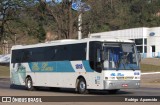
33,18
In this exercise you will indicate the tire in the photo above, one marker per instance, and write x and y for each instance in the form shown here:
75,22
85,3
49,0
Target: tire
29,84
82,87
12,86
113,91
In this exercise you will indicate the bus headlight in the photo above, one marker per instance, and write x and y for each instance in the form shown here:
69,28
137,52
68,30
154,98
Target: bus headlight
137,77
110,78
113,78
106,78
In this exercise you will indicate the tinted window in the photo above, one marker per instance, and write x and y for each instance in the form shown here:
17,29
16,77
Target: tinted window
93,48
78,51
70,52
17,56
52,53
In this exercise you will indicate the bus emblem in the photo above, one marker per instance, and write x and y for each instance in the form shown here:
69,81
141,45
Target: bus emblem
113,74
79,66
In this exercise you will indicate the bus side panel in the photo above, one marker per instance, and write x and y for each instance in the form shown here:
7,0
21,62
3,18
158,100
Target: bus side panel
94,79
65,74
61,76
18,73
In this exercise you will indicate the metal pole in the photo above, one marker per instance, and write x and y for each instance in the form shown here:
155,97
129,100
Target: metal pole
80,26
143,47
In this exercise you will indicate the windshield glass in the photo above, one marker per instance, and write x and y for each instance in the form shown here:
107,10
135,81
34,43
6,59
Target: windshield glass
120,57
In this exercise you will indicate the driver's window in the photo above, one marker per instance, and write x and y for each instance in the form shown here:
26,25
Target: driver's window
111,57
106,58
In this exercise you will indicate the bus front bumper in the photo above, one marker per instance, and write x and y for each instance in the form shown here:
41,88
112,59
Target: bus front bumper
122,84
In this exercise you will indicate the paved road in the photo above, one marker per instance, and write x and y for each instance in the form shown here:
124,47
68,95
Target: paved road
150,87
21,91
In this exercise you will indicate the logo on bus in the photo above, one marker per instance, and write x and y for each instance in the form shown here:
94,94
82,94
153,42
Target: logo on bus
113,74
136,73
118,74
79,66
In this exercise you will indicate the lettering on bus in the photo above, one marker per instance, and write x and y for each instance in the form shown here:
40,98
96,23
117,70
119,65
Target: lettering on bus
113,74
79,66
44,67
35,67
118,74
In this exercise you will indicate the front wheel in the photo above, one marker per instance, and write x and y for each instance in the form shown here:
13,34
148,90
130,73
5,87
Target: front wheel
29,84
82,88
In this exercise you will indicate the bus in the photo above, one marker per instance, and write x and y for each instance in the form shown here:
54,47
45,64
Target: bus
91,63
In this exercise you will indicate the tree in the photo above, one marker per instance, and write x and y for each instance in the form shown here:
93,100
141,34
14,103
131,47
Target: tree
107,15
64,17
11,18
6,14
20,19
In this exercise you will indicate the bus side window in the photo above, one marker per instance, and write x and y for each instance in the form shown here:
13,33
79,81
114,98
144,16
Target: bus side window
25,56
53,54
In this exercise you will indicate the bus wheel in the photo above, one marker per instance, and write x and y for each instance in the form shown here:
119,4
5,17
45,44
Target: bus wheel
113,91
29,84
82,88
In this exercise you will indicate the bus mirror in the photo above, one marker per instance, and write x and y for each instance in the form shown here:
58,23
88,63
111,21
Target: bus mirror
139,57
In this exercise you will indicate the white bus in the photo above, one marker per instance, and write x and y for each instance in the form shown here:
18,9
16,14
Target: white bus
94,63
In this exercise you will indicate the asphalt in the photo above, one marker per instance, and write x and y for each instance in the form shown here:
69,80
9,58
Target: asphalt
148,88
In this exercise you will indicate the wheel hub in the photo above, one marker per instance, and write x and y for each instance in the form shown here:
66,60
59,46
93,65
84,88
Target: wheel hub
82,85
29,84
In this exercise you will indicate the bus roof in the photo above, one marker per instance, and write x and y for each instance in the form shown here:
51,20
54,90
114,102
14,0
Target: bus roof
70,41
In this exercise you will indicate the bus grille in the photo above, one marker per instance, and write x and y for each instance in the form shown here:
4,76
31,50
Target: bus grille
125,78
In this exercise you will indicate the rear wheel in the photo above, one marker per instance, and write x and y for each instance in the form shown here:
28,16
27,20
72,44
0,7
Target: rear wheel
29,84
82,88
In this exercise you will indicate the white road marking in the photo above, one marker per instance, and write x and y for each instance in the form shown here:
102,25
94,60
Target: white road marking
150,73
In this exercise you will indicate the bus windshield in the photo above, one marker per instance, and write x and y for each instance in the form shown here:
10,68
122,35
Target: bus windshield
120,57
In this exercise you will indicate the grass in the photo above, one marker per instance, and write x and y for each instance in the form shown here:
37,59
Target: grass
150,68
4,70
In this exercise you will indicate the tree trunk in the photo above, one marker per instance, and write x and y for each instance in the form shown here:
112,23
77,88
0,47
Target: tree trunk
70,22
